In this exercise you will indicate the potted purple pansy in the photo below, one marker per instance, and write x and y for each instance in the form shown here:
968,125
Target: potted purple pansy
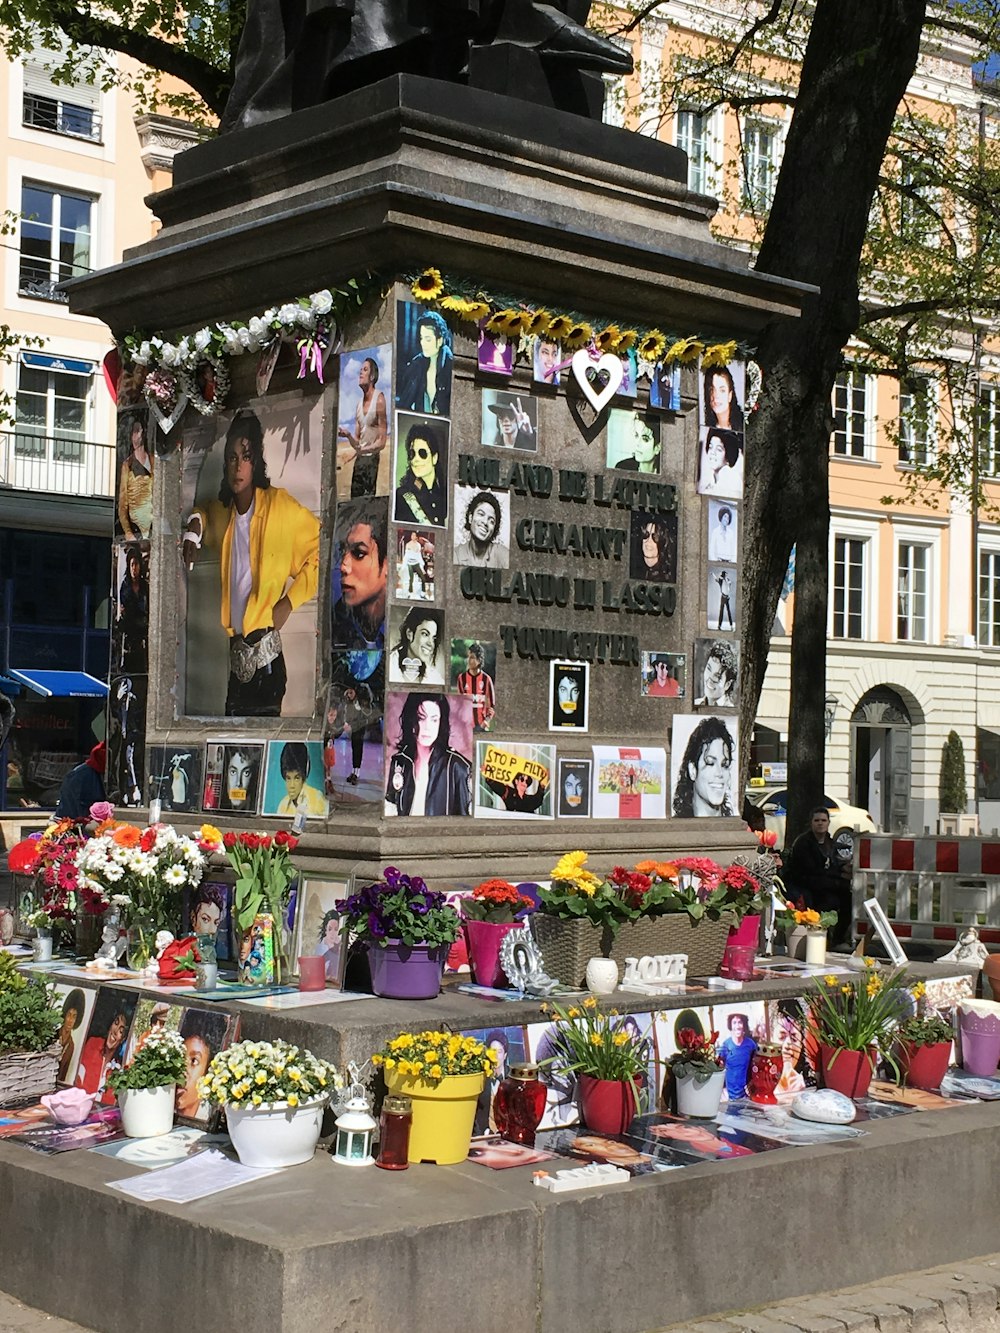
407,929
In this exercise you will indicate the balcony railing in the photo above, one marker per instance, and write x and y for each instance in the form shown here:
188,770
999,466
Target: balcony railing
56,464
45,113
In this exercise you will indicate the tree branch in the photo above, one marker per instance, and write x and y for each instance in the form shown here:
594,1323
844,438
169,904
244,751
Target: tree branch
927,307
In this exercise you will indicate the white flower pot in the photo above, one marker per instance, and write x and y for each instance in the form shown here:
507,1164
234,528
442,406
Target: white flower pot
816,948
275,1134
700,1099
147,1112
602,976
41,946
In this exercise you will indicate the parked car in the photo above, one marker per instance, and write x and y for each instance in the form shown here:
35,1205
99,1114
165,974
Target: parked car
773,801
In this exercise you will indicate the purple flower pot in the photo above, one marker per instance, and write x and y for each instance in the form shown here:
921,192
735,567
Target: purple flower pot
980,1036
406,971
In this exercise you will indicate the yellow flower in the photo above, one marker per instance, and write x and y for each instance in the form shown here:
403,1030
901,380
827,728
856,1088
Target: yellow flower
590,1002
684,350
573,1013
256,1099
595,1039
435,1071
620,1038
497,322
559,326
293,1099
471,311
377,1060
514,322
628,340
608,339
720,354
577,335
429,286
871,962
830,979
260,1077
295,1075
538,322
846,990
874,985
652,347
209,833
918,991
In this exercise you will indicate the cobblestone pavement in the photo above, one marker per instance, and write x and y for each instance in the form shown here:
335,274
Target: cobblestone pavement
18,1318
955,1298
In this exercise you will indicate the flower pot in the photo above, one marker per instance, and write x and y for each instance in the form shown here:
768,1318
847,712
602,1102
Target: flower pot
147,1112
607,1106
980,1043
483,940
923,1066
795,942
849,1072
443,1115
699,1099
41,946
602,976
566,946
276,1134
406,971
815,947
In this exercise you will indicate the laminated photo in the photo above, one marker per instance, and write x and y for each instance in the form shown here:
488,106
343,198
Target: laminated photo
630,782
514,781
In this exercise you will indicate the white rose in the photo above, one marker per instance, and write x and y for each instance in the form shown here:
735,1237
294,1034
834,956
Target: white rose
202,339
144,354
289,314
168,355
321,303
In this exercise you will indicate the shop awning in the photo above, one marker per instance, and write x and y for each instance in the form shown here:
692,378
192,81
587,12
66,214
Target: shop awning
61,684
10,687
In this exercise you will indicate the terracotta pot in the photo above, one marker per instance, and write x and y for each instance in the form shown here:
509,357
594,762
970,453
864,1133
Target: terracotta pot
607,1106
923,1066
849,1072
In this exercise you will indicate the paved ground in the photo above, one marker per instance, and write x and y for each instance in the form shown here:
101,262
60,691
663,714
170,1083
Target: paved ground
956,1298
18,1318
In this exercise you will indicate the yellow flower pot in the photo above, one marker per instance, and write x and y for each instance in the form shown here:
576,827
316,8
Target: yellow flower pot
443,1115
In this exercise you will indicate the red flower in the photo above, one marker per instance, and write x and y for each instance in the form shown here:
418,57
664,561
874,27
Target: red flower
147,840
285,839
229,840
23,857
265,841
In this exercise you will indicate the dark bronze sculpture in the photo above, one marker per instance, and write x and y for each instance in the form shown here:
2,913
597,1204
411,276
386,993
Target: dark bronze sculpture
299,53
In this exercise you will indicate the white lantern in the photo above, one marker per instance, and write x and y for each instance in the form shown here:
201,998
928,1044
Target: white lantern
355,1127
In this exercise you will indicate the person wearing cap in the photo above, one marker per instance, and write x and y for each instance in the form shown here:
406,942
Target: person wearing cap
269,545
83,786
663,684
514,428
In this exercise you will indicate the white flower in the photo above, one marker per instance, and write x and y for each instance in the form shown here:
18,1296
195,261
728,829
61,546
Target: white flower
202,339
232,339
306,319
113,873
321,303
121,900
168,355
144,354
174,875
288,314
257,327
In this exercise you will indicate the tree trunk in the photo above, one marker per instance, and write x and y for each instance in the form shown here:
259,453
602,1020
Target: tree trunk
858,62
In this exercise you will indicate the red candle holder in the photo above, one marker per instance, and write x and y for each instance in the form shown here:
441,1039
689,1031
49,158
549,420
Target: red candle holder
765,1072
519,1104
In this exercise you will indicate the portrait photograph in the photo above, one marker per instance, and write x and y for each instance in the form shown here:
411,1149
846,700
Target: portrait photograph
75,1005
514,780
547,1049
721,398
665,387
250,498
575,776
630,782
130,630
175,777
481,520
207,909
499,1155
704,766
417,646
428,754
630,375
424,360
359,570
720,463
317,926
352,734
508,1045
103,1049
633,442
652,547
717,673
510,420
420,495
364,421
204,1032
126,739
494,353
663,675
722,606
150,1016
134,505
234,771
723,532
293,784
415,564
546,360
569,696
473,671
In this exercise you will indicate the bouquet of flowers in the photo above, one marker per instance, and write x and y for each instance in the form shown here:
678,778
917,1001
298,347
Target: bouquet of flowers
142,871
790,917
496,901
160,1060
432,1056
697,1057
625,895
260,1073
51,859
399,907
926,1027
264,872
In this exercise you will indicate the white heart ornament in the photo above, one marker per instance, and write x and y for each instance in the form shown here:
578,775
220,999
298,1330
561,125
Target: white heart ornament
583,361
167,423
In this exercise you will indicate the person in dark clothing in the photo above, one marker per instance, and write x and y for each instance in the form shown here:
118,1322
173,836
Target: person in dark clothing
515,796
815,871
83,786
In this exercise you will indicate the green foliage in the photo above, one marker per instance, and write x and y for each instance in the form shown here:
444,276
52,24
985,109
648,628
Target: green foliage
929,1030
952,793
854,1015
159,1062
28,1021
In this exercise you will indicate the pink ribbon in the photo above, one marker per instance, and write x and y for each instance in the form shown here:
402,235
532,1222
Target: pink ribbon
310,358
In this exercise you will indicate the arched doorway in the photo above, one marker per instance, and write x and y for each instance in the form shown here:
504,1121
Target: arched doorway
880,745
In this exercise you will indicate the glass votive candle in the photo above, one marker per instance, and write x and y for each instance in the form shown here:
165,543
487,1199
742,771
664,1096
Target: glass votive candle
740,961
395,1123
312,972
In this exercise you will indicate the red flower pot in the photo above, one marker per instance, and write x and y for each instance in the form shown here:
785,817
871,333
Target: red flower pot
850,1072
483,939
607,1106
923,1066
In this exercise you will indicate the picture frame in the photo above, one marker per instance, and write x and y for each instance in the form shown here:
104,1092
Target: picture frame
317,918
880,924
569,695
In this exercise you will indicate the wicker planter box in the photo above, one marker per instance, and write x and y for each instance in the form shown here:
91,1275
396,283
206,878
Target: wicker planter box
567,946
24,1076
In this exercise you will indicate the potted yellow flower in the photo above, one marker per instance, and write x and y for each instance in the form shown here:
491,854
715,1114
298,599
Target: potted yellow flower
609,1060
443,1073
805,932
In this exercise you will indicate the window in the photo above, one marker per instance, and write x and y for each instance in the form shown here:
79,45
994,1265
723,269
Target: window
989,599
911,593
918,204
51,409
989,429
849,556
760,164
850,414
55,239
692,138
55,107
916,422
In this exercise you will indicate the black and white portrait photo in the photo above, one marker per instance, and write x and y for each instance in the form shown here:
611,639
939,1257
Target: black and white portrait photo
482,527
704,766
722,608
716,673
